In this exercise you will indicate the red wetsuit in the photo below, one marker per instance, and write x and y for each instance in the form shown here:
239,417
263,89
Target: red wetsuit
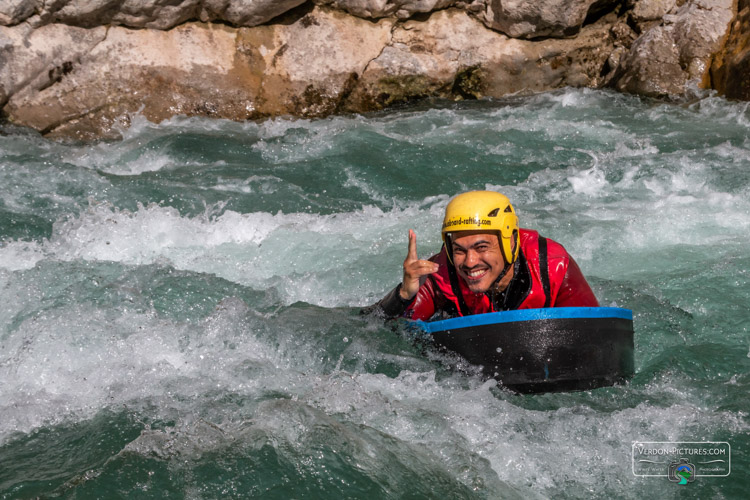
544,276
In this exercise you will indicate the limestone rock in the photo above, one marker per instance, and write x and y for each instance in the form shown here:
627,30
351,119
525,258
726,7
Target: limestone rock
246,12
158,14
700,27
166,14
450,55
375,9
539,19
652,66
33,59
307,68
13,12
730,70
651,10
70,81
668,56
155,14
303,68
163,73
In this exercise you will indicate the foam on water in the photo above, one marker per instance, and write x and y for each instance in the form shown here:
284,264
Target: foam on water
71,364
266,184
68,364
225,330
255,249
669,204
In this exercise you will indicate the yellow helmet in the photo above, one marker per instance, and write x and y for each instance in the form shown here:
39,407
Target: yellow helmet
483,210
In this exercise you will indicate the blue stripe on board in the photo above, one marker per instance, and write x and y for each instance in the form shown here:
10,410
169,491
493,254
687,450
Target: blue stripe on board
526,315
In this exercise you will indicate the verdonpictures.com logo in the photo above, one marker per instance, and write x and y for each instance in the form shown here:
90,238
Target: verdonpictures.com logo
682,462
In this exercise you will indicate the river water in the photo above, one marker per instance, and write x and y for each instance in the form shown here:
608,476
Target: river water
179,310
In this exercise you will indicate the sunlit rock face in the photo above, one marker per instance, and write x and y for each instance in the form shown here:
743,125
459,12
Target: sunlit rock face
451,56
730,71
88,86
82,69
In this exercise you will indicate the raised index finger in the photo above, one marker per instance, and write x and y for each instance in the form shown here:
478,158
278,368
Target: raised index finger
412,255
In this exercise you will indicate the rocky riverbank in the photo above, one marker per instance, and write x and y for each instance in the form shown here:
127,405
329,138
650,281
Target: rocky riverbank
82,68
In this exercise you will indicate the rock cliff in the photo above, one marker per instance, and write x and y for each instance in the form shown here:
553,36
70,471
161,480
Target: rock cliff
82,68
730,71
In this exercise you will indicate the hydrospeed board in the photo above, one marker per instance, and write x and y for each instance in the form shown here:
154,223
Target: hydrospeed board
544,350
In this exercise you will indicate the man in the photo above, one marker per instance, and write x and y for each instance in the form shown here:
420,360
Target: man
487,264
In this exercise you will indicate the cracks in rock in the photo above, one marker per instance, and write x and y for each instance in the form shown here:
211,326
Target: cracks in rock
104,38
55,125
389,43
354,78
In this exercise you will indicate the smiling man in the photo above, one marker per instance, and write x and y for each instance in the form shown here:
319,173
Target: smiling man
487,264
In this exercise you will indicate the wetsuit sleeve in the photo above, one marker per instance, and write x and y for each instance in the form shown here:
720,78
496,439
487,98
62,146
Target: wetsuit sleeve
421,307
575,290
392,305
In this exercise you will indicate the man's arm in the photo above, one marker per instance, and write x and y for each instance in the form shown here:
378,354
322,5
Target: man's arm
413,297
420,307
393,305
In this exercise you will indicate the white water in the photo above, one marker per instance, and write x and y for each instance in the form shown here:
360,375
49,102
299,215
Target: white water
657,222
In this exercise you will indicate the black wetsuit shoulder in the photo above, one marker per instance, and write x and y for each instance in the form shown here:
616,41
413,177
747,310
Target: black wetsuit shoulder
518,289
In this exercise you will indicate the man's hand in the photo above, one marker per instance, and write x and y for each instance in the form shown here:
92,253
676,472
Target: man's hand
414,270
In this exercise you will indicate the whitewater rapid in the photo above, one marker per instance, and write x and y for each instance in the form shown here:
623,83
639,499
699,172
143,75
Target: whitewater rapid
191,294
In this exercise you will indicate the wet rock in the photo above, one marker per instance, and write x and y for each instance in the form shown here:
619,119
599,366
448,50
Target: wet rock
539,19
700,28
668,56
730,70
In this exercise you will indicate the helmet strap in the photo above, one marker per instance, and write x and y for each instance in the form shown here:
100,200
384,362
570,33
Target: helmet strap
503,273
513,264
448,248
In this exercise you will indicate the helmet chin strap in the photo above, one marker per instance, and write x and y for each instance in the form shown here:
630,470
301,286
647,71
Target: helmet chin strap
503,273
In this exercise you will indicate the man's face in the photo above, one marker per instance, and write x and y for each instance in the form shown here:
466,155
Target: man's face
478,259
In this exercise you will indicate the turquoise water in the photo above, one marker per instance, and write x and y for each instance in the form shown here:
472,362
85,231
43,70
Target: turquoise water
179,310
